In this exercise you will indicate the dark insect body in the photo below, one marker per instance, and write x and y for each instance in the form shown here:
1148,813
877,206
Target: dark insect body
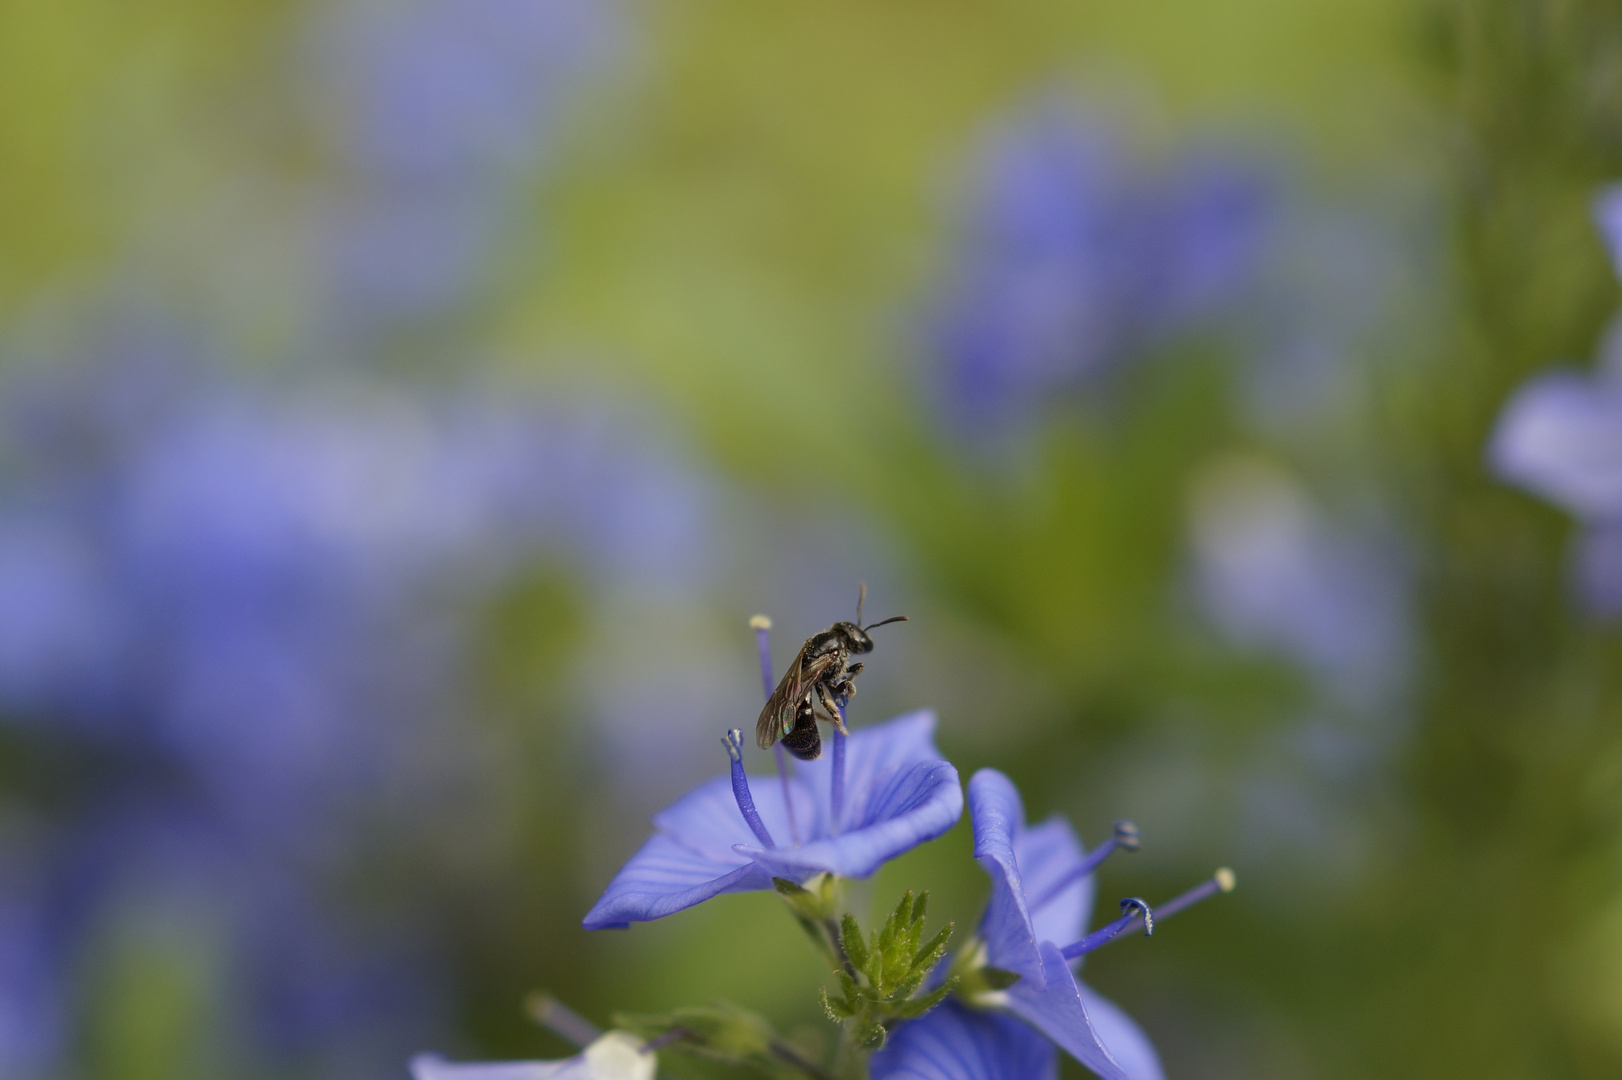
817,685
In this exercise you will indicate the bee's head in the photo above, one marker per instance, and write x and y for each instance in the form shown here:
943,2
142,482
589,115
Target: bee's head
856,633
855,637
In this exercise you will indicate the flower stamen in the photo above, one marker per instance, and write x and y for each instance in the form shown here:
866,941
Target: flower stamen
1125,838
733,741
762,626
1221,881
1131,909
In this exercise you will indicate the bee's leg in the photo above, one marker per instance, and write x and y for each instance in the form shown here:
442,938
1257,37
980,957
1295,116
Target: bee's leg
827,698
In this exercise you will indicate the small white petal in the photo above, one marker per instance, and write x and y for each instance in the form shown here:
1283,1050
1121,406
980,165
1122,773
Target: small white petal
615,1056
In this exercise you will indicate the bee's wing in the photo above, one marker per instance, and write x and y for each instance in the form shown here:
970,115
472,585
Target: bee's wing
777,718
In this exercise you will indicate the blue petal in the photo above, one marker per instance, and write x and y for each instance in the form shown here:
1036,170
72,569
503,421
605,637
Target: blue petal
1561,437
614,1056
707,819
1608,216
872,754
1025,865
665,877
1127,1043
898,795
954,1042
1047,854
1057,1009
915,804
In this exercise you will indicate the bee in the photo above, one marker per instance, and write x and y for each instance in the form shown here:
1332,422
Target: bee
818,683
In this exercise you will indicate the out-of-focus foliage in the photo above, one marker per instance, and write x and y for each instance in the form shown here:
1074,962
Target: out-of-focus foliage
404,406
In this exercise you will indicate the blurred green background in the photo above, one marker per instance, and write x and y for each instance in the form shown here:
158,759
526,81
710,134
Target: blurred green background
1247,581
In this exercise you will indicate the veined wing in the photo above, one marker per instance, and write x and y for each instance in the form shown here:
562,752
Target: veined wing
777,718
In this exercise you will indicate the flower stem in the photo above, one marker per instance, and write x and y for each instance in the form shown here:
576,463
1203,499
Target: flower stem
561,1020
794,1058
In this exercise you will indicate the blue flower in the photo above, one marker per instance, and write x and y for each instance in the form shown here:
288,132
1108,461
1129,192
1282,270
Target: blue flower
1077,259
614,1056
1041,894
896,793
1560,436
1275,574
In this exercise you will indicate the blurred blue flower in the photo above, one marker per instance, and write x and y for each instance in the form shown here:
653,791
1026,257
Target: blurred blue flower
240,608
614,1056
254,581
1077,258
1273,574
34,1004
897,793
442,109
1560,437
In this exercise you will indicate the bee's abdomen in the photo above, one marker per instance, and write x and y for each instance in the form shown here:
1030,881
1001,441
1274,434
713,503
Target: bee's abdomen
804,741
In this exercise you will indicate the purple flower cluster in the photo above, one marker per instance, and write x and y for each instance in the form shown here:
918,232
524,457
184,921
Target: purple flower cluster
231,609
1077,257
439,113
239,609
1560,437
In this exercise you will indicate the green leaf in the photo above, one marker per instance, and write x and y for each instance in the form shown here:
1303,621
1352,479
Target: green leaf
836,1010
918,907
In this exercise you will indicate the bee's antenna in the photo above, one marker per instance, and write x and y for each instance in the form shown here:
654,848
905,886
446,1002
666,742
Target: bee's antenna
861,595
886,622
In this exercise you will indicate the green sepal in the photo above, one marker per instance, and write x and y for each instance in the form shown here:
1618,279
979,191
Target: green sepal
717,1040
918,1006
885,969
836,1010
817,899
930,954
874,968
996,978
851,935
